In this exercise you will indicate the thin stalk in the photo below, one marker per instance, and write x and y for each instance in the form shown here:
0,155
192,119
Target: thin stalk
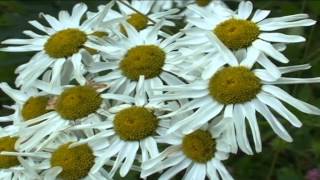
273,165
152,21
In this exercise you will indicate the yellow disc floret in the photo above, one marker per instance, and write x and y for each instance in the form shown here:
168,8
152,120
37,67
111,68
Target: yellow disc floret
78,102
7,144
135,123
233,85
203,3
65,43
98,34
146,60
237,33
75,162
34,107
138,21
199,146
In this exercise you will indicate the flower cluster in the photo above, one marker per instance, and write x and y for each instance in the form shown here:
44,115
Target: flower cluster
117,91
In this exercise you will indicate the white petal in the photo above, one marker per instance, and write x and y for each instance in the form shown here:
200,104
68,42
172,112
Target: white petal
284,96
64,17
181,95
113,149
197,171
24,48
277,106
202,111
272,69
226,53
250,113
265,76
118,97
196,103
271,26
52,173
184,87
222,170
203,119
290,69
211,68
242,138
274,123
41,27
30,171
102,66
212,171
133,148
56,70
259,15
140,97
17,96
77,12
251,58
77,65
245,9
280,37
54,23
171,150
171,172
269,50
171,160
286,18
285,80
151,146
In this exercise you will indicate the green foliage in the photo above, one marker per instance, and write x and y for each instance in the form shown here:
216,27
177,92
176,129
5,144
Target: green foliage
288,173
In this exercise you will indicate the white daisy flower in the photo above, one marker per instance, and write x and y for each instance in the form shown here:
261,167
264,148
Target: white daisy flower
238,32
165,5
237,92
209,59
17,165
70,106
199,152
63,48
205,5
132,128
145,17
142,53
27,105
70,160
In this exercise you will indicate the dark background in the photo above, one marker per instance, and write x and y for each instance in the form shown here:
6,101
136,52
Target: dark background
279,160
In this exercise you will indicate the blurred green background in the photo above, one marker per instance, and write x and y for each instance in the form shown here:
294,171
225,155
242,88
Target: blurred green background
279,160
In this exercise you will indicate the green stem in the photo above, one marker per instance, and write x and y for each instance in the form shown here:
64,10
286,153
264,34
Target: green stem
273,164
135,10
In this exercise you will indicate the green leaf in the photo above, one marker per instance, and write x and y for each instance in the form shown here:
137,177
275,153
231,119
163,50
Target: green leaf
287,173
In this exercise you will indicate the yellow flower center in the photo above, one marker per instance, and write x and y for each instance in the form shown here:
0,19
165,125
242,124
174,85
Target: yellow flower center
237,33
199,146
138,21
78,102
65,43
76,162
135,123
98,34
7,144
34,107
146,60
233,85
203,3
